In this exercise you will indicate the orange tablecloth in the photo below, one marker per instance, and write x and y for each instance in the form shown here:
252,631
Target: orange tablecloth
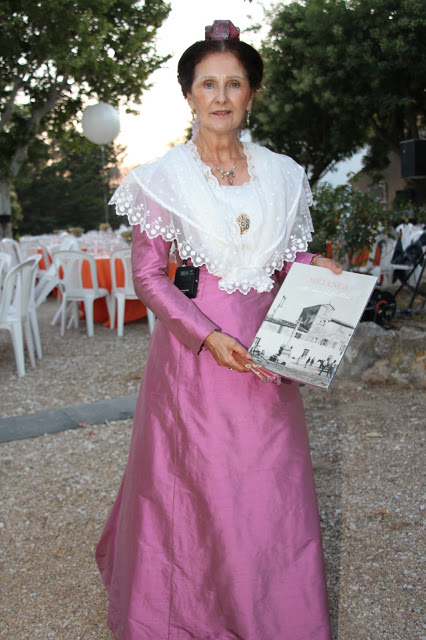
134,309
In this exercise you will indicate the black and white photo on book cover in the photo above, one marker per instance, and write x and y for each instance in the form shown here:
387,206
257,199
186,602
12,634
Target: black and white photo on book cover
309,324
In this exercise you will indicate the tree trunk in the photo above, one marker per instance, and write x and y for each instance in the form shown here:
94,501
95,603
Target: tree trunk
5,209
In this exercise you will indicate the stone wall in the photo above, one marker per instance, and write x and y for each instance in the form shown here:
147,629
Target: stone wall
377,355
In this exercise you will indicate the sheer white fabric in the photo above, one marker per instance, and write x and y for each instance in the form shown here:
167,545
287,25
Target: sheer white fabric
206,170
180,199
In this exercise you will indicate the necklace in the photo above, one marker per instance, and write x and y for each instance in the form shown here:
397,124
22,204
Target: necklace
223,173
227,174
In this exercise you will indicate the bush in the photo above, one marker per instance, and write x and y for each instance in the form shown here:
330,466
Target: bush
349,220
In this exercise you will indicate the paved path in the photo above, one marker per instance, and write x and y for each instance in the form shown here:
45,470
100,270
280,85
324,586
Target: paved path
31,425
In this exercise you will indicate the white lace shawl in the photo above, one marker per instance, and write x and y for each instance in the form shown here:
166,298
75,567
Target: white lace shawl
176,197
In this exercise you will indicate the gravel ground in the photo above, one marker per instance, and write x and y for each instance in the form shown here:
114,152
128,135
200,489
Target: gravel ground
74,368
56,491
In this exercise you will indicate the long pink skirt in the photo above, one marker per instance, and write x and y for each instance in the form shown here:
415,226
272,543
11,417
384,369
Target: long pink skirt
215,533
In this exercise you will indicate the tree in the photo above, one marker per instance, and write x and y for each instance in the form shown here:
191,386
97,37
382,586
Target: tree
340,75
68,190
54,54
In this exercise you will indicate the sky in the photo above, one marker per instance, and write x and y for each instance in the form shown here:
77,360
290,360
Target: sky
164,114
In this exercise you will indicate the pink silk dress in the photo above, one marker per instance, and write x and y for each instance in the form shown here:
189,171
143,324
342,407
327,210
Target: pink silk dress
215,532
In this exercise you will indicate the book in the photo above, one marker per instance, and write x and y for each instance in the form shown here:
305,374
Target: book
310,323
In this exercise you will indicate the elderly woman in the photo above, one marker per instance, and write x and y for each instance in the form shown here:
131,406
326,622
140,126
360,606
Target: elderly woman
215,532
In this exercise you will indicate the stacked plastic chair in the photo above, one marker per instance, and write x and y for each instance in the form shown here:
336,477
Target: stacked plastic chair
5,265
12,247
14,310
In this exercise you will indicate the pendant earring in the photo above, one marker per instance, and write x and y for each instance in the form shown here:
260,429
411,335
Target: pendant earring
248,118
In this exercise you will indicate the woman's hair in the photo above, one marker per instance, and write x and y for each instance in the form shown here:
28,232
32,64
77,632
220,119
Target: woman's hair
247,56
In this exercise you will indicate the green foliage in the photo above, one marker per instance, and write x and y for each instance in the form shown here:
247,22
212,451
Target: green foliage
55,54
406,207
341,74
68,191
329,203
349,219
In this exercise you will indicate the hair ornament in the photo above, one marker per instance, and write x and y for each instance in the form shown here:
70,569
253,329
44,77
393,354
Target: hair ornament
222,30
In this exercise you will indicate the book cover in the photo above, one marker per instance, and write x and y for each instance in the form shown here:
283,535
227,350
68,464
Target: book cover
310,323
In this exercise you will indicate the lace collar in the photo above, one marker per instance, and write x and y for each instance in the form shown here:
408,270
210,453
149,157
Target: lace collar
171,197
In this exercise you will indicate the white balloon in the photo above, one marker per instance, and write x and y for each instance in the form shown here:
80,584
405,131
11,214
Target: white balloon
101,123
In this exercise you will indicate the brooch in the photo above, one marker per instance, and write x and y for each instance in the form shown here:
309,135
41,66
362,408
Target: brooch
243,222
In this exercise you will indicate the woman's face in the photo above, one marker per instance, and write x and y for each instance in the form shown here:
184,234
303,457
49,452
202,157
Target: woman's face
220,93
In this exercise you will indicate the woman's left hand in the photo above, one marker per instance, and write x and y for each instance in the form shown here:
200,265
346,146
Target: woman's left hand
327,263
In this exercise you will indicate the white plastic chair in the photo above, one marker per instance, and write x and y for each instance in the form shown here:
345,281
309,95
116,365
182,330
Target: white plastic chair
13,248
69,243
47,258
48,281
14,314
387,267
127,292
5,265
119,295
71,263
32,309
29,246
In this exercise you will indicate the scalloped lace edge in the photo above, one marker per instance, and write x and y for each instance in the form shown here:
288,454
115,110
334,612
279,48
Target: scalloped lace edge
198,258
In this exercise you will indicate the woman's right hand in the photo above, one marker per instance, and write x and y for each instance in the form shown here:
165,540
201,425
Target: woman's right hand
222,346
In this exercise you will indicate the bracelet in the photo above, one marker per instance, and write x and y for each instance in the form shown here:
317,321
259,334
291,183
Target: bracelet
317,255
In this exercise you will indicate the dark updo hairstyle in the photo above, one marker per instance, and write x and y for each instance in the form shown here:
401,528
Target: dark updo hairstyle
247,56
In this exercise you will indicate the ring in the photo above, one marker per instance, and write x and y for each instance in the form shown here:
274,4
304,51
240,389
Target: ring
230,368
